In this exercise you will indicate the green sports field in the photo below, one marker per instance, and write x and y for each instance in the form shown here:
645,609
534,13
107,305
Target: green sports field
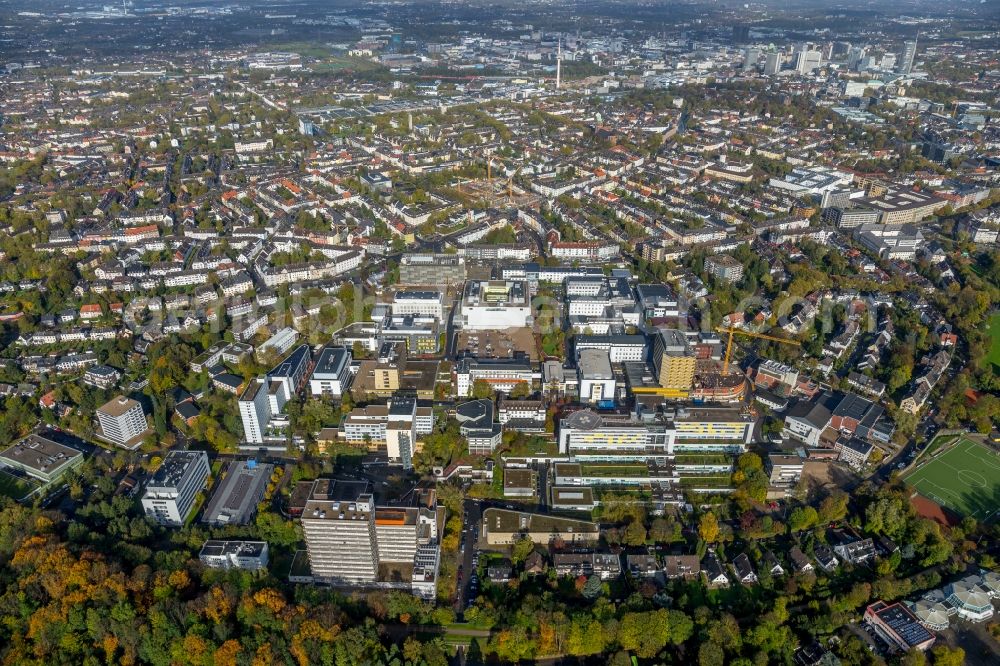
964,478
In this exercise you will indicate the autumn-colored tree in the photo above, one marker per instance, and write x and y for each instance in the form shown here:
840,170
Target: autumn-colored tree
585,637
218,605
546,638
947,656
521,390
832,508
512,645
481,389
645,634
264,656
635,534
708,527
194,650
227,654
110,646
521,549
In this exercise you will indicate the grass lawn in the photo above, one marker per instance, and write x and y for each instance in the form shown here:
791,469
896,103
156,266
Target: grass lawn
305,49
937,443
993,357
15,487
707,481
612,469
964,478
338,63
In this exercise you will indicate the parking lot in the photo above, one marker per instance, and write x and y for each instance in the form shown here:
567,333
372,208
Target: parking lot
497,344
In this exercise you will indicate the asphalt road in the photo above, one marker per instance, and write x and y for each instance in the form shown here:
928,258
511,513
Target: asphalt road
543,487
471,525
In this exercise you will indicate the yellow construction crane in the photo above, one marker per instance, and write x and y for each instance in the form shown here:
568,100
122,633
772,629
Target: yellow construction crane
510,184
750,334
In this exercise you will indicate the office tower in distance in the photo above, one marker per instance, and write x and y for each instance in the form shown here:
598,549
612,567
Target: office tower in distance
559,66
854,57
772,63
808,61
905,63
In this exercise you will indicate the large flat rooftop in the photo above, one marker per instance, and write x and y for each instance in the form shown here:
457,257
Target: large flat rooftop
505,521
117,406
40,455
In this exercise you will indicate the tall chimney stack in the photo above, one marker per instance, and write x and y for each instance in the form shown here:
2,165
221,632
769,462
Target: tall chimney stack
559,65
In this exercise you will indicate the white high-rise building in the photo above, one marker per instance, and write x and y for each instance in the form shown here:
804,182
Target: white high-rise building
171,492
263,401
340,537
559,66
332,373
122,421
596,377
348,537
255,411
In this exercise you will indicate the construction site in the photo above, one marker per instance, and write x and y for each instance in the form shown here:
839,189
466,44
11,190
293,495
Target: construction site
498,190
498,193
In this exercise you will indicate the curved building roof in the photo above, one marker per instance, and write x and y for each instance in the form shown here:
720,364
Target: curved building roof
969,594
932,614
